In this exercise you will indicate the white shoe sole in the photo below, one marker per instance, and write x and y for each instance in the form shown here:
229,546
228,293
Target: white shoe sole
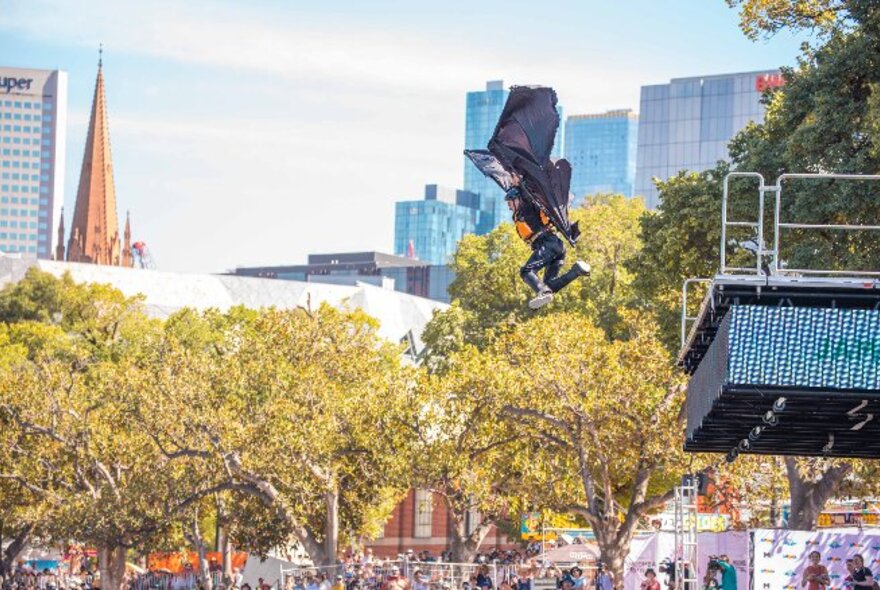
583,267
541,300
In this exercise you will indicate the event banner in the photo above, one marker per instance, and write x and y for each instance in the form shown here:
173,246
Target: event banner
651,550
781,555
804,347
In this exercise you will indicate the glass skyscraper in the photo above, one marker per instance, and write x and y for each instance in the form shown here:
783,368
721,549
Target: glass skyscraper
481,115
602,151
429,230
33,119
687,124
483,109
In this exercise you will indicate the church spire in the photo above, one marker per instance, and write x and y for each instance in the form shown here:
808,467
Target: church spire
59,248
94,235
126,245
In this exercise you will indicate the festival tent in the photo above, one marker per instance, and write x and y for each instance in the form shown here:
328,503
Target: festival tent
178,562
269,568
574,553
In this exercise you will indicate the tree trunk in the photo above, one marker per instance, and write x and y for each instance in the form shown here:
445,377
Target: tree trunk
14,549
808,498
613,549
464,547
226,553
111,567
268,494
198,541
331,527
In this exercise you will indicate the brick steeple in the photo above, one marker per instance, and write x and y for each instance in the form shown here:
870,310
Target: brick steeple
94,233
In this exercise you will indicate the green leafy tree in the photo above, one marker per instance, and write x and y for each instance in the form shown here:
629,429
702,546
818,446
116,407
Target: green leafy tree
489,297
464,453
300,414
602,416
65,400
766,17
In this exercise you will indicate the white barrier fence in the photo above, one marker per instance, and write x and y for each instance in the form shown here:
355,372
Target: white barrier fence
422,575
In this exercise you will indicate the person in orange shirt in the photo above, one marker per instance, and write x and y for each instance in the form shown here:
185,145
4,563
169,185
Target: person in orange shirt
815,575
548,251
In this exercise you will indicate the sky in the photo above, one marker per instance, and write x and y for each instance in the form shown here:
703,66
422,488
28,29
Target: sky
255,133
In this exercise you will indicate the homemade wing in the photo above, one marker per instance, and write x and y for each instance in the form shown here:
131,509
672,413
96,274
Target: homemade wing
491,167
522,143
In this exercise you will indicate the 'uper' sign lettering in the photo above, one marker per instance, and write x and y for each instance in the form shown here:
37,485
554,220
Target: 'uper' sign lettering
10,84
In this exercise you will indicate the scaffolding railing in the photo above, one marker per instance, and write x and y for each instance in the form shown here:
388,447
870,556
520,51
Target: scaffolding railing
757,224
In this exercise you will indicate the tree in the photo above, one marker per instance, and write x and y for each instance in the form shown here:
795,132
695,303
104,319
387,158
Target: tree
300,414
767,17
463,452
65,401
681,241
824,120
603,416
489,297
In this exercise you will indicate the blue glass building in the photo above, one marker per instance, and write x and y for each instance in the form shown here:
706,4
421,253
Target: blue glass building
687,124
429,230
483,109
602,151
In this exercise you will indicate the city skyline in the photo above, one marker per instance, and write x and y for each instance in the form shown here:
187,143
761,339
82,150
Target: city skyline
225,120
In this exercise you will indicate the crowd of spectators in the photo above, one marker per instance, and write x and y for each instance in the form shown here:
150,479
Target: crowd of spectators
25,577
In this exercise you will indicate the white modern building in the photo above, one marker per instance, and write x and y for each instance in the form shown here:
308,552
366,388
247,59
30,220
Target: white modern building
687,123
402,317
33,122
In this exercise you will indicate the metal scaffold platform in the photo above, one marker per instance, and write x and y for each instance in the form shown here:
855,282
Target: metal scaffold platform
784,361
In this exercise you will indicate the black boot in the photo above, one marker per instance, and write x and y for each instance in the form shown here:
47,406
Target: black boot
578,269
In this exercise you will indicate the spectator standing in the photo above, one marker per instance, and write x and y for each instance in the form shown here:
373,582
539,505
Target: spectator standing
863,579
650,582
396,581
604,578
728,573
483,579
323,582
815,575
848,580
420,580
577,578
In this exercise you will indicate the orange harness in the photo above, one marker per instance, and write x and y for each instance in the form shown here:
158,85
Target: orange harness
525,231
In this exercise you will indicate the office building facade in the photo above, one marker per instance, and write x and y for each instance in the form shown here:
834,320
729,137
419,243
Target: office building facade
429,230
687,124
374,268
33,122
602,151
483,109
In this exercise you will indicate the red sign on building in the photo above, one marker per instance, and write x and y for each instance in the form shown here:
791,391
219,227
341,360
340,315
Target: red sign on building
765,82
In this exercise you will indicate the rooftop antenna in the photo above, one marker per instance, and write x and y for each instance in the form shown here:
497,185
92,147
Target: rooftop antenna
100,54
